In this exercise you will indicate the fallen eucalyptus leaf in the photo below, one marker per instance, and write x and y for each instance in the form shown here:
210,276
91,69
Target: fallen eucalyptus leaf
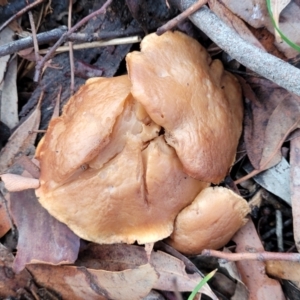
275,180
21,140
41,237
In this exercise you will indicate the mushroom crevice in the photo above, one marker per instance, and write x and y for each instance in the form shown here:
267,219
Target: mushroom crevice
129,153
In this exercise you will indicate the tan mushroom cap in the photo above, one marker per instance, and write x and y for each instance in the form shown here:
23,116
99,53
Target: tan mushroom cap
209,222
82,131
131,187
197,103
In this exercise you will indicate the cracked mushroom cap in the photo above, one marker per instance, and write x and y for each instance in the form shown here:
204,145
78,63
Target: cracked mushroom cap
209,222
106,173
197,103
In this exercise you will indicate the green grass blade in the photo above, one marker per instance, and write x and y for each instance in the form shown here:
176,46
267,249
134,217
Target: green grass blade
289,42
201,284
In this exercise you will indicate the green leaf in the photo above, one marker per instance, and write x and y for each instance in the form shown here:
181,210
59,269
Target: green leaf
201,284
289,42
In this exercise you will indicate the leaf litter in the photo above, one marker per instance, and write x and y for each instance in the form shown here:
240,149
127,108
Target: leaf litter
272,113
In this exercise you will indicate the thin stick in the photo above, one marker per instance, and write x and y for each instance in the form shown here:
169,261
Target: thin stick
185,14
20,13
35,43
260,256
113,42
71,53
55,34
41,63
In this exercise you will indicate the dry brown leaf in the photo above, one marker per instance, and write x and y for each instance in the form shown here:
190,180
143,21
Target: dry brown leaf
295,188
255,13
9,96
234,22
170,269
268,121
8,89
289,270
121,256
81,283
115,257
41,237
260,286
21,141
6,36
10,282
277,7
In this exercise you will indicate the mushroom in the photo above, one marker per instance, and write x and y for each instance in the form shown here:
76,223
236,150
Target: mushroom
129,187
197,103
209,222
128,154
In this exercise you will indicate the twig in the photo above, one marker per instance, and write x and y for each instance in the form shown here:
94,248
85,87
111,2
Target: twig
248,55
71,53
279,230
35,43
20,13
55,34
185,14
120,41
65,35
260,256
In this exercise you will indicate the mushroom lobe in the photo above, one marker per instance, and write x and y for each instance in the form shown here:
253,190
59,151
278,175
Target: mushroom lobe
197,103
209,222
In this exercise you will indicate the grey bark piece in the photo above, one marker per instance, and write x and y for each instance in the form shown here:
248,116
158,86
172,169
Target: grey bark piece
275,180
248,55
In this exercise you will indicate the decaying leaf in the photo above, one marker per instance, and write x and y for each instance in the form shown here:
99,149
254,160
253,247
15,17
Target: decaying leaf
234,22
72,282
41,237
277,7
21,141
260,286
268,124
295,188
9,95
255,13
121,256
241,291
10,282
170,268
275,180
289,270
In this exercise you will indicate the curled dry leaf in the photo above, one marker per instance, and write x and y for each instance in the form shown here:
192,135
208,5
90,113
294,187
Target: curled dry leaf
104,160
268,122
